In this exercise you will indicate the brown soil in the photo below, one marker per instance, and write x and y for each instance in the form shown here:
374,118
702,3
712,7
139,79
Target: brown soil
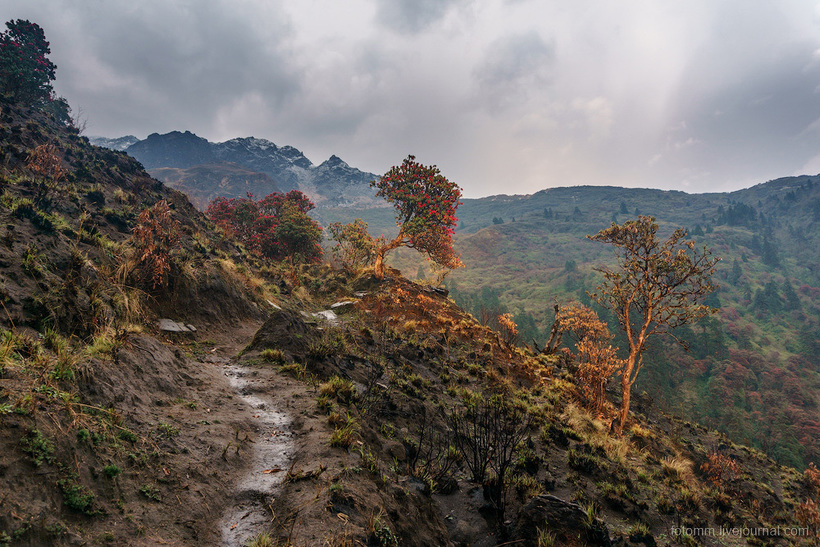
188,467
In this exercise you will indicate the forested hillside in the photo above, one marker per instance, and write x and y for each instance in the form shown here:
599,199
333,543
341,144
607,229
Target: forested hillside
522,254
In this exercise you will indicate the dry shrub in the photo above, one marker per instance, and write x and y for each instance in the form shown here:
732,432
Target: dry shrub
597,359
597,363
808,514
719,468
811,476
44,161
507,330
154,238
678,468
355,248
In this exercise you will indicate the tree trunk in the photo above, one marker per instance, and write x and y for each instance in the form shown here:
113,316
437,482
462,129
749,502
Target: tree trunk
555,336
626,392
378,265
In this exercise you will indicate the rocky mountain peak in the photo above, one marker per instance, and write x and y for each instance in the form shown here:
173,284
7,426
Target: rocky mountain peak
332,183
334,161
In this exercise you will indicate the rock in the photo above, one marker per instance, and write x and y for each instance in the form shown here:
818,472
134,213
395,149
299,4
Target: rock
395,450
565,519
343,306
272,305
286,330
328,316
360,294
436,290
169,325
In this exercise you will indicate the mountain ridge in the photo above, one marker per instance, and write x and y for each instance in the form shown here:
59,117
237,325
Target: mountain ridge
331,183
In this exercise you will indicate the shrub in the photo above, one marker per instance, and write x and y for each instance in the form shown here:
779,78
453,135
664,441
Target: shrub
45,161
272,355
342,390
719,468
487,434
40,448
811,476
77,497
150,491
155,237
355,248
507,330
276,227
344,436
111,471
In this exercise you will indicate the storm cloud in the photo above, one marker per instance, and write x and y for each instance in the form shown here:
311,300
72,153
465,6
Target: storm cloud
505,96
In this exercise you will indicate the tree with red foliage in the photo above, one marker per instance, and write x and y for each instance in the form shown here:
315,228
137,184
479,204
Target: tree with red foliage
425,203
656,287
25,71
276,227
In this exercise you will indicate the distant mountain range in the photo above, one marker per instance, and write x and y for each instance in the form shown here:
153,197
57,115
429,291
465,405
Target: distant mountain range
205,170
120,143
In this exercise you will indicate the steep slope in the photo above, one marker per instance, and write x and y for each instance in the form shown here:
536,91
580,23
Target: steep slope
408,389
110,431
759,354
333,183
409,421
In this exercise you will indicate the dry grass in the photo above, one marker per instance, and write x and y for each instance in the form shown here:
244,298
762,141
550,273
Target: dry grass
678,468
581,421
640,432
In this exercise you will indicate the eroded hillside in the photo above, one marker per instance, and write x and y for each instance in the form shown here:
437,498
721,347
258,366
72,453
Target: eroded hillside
397,419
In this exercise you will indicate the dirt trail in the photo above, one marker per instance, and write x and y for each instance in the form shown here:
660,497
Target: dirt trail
271,455
259,449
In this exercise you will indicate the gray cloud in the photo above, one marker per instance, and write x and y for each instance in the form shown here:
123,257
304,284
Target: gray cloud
747,101
163,66
514,68
413,16
504,95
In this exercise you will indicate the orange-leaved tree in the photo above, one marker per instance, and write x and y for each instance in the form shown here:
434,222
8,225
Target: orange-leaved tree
425,203
597,358
656,287
355,248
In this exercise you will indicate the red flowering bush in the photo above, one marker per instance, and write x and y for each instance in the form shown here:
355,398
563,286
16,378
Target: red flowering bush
25,71
426,204
275,227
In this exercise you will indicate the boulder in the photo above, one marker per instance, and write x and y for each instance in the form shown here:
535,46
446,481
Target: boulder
566,519
343,307
169,325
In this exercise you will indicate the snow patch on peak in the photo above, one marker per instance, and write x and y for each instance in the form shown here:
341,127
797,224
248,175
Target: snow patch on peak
252,142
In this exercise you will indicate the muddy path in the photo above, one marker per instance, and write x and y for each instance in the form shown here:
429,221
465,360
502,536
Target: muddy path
270,454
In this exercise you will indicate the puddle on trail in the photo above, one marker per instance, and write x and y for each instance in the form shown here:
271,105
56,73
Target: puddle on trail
272,450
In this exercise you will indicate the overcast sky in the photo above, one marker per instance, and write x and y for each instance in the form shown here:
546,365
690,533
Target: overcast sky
505,96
